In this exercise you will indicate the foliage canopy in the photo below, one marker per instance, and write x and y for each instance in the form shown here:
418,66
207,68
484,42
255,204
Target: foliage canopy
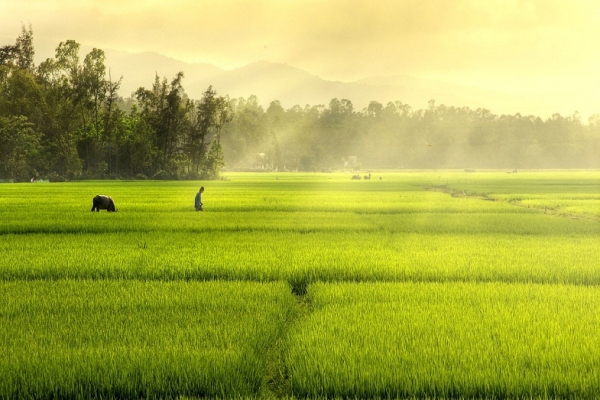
64,119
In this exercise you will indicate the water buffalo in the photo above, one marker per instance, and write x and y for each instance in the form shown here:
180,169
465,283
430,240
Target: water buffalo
101,202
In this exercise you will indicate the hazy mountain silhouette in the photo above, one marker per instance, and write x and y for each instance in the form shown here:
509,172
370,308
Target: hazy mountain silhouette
292,86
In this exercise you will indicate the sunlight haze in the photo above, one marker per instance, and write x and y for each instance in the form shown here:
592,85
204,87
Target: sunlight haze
547,49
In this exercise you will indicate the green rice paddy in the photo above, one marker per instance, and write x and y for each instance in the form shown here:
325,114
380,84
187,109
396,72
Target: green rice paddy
416,285
452,340
133,339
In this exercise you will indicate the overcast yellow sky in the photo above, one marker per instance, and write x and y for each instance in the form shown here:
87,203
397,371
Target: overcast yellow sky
519,46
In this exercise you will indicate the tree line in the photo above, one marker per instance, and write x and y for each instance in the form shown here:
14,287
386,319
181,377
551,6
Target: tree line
64,119
320,138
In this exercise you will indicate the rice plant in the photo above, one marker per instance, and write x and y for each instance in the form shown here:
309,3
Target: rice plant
132,339
451,340
457,297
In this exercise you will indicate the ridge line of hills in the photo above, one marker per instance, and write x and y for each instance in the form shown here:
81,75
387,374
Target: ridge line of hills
292,86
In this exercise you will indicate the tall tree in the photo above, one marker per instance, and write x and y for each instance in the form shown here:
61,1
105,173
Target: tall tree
20,145
166,111
212,113
113,123
246,135
25,50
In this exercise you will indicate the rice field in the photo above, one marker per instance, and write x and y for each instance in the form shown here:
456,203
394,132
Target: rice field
450,340
296,285
133,339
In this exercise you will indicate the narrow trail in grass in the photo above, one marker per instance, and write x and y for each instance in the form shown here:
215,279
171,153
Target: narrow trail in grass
542,209
553,211
276,384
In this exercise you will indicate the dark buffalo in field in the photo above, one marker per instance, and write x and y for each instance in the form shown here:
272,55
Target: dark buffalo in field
101,202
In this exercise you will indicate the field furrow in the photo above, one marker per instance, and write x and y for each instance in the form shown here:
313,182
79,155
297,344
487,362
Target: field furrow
303,286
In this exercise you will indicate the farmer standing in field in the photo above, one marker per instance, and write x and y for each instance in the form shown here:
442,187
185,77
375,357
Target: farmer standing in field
198,199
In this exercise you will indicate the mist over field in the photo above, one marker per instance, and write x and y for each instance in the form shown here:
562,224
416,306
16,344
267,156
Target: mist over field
300,199
292,86
65,118
195,88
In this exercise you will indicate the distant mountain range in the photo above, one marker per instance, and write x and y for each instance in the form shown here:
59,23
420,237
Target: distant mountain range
292,86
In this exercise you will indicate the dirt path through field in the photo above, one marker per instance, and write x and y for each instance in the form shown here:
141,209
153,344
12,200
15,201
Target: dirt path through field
517,203
276,384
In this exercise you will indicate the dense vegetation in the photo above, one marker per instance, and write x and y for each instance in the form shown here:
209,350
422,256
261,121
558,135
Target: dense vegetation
132,339
416,285
455,340
64,119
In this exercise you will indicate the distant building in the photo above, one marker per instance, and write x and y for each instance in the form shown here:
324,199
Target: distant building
350,162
